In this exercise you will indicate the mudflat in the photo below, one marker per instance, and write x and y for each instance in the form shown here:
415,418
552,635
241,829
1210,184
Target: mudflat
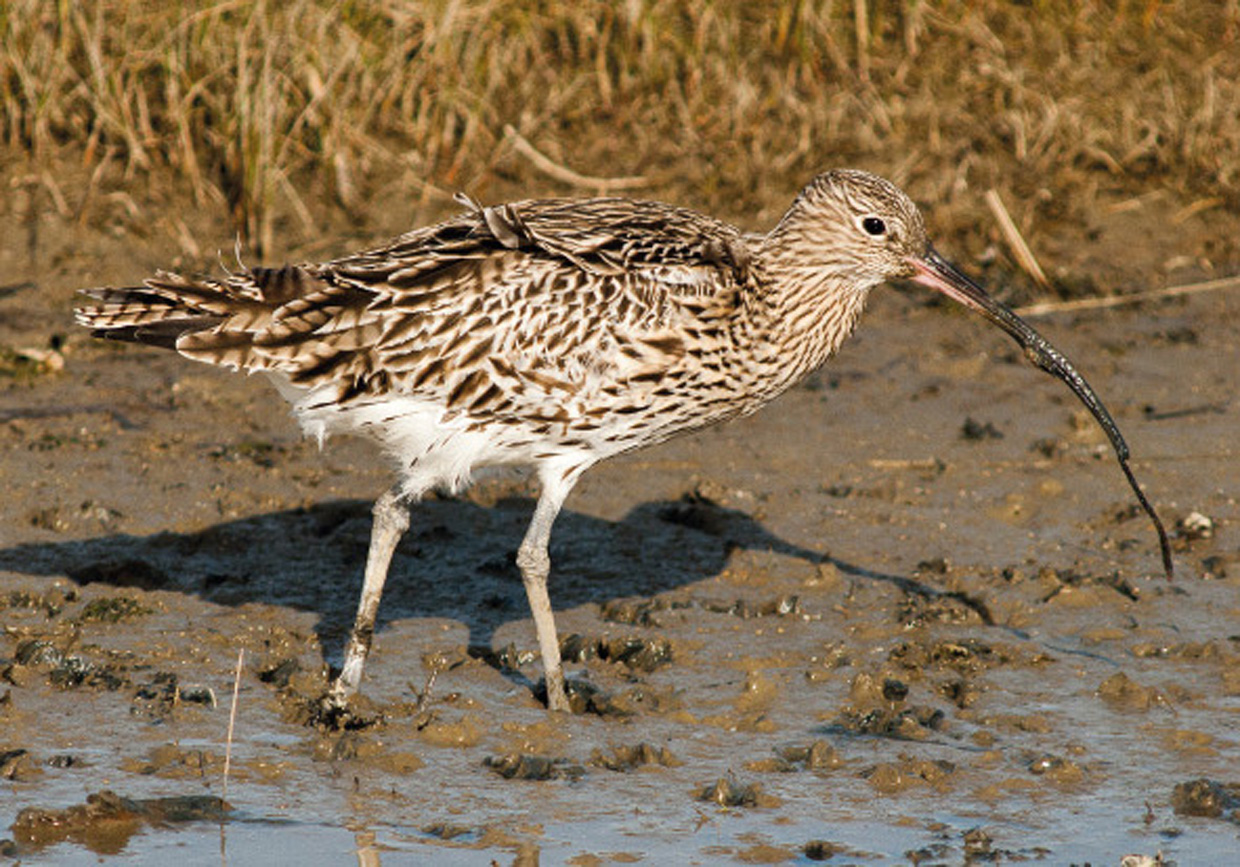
910,607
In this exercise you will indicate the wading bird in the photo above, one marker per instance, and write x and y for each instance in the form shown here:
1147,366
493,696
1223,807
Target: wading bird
552,334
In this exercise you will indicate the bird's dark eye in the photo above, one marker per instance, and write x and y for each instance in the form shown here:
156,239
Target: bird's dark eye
874,226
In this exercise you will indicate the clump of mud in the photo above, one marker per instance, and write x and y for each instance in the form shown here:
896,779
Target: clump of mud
729,792
1208,799
106,822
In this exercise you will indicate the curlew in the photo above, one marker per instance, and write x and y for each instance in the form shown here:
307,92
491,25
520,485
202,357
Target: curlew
549,335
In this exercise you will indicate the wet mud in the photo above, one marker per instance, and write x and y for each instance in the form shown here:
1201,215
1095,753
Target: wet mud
908,613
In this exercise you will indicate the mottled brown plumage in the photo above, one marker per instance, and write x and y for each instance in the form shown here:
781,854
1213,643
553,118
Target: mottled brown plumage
550,335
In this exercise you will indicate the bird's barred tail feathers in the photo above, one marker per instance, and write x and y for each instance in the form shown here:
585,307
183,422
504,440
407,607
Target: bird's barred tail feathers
208,320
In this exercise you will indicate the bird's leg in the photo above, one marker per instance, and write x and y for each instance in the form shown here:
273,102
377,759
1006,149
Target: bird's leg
535,564
391,520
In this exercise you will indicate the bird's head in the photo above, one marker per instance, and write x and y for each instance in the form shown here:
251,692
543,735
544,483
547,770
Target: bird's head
854,227
856,230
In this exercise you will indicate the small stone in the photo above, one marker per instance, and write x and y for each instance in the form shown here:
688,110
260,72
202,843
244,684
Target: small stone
1196,526
1200,797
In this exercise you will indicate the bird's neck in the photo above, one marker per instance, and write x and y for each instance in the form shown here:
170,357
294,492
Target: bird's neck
807,310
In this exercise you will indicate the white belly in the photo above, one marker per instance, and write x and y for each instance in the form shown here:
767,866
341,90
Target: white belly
432,448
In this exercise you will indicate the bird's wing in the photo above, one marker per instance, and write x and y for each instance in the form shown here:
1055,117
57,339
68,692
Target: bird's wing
677,250
515,303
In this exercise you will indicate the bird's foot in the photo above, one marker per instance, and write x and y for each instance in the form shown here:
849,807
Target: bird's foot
557,695
339,710
566,696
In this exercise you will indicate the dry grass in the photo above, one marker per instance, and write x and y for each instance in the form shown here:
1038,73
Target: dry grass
284,114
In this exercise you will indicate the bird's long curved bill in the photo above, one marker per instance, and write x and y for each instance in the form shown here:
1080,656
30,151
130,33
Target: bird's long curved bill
937,273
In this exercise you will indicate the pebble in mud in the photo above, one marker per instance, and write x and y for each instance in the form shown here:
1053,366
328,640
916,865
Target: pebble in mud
972,429
1207,798
359,747
447,831
37,652
894,690
1155,860
1073,590
1214,567
1057,769
875,709
727,792
507,658
634,652
1195,527
822,850
1124,693
819,756
640,612
172,762
522,766
281,673
891,778
461,733
17,764
977,846
346,746
65,760
698,512
960,692
911,724
625,759
834,656
587,698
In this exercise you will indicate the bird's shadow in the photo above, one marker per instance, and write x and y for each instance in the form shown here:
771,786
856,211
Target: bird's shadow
456,561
